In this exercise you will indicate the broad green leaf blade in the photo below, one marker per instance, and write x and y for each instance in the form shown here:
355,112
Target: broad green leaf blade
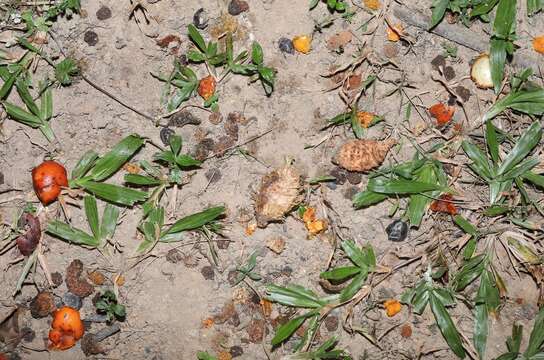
197,220
536,179
483,8
401,186
522,168
536,340
481,329
470,271
114,193
340,273
439,9
70,234
356,255
196,38
91,211
293,295
109,221
446,326
529,101
367,198
497,59
354,286
523,147
21,115
8,84
257,53
84,164
287,329
187,161
175,143
108,164
480,163
505,18
137,179
24,93
419,202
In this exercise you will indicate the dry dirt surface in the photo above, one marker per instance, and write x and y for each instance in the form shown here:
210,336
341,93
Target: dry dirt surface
181,297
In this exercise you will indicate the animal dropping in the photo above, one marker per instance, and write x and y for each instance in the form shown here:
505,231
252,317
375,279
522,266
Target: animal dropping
363,155
278,194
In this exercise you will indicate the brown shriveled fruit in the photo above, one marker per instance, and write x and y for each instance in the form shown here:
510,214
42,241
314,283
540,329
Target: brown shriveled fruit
278,194
28,242
75,282
42,305
363,155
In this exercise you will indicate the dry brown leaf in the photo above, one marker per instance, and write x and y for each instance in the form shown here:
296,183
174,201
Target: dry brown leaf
339,40
278,194
363,155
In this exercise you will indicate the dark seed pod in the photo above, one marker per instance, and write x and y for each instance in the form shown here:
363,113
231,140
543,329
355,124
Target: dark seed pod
397,231
28,242
286,46
200,19
165,135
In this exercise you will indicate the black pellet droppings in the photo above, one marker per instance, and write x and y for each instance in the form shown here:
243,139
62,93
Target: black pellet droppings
397,231
165,135
91,38
286,45
103,13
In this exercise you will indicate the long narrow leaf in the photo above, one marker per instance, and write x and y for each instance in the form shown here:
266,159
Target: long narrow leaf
197,220
68,233
108,164
523,147
114,193
446,326
91,211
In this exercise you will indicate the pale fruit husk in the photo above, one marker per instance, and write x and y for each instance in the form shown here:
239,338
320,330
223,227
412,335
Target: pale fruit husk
363,155
278,194
480,72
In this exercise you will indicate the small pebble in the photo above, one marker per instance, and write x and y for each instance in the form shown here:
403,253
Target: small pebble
165,135
207,272
236,7
200,19
236,351
286,45
72,300
397,231
91,38
354,178
103,13
339,174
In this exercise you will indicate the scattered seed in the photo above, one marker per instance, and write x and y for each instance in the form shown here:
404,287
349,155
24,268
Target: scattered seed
286,46
72,300
207,272
236,7
91,38
200,19
390,50
42,305
165,135
103,13
397,231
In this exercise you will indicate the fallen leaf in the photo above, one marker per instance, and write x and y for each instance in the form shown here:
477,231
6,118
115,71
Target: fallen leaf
442,113
119,280
96,277
302,43
372,4
354,81
394,33
392,307
538,44
363,155
339,40
444,204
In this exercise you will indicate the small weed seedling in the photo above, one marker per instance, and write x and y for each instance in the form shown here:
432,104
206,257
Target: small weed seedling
332,5
247,270
534,349
107,304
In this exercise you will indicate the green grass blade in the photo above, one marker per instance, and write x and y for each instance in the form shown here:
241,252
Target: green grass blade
21,115
523,147
354,286
24,93
480,163
446,326
293,295
367,198
72,235
340,273
439,9
108,164
109,221
287,329
91,211
114,193
536,339
401,186
137,179
84,164
197,220
492,143
505,18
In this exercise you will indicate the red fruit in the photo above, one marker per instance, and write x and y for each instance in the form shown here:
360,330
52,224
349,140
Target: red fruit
206,87
66,328
48,179
444,204
442,113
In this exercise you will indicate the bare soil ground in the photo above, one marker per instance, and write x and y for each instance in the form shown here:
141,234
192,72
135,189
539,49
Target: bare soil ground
169,301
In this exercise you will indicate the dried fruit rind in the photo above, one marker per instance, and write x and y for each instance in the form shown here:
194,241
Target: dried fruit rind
363,155
278,194
480,72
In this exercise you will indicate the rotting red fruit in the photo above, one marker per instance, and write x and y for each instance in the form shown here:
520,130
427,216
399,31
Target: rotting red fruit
444,204
66,328
206,87
48,179
27,243
442,113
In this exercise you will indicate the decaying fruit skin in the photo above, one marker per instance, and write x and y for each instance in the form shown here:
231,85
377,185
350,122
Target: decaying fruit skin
363,155
66,328
278,194
28,242
480,72
48,179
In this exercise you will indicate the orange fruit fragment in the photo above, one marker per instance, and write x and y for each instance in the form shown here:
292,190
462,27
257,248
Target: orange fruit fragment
538,44
392,307
394,33
206,87
302,43
442,113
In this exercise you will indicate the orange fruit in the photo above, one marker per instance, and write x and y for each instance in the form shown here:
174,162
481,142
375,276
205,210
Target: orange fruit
48,179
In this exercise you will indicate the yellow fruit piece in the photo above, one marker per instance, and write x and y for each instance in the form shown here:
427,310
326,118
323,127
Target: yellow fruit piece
302,43
316,227
365,118
392,307
372,4
538,44
394,33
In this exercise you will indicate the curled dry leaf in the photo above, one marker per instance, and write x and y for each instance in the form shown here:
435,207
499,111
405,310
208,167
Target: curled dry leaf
480,72
538,44
206,87
27,243
444,204
392,307
76,284
302,43
394,32
339,40
442,113
278,194
363,155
